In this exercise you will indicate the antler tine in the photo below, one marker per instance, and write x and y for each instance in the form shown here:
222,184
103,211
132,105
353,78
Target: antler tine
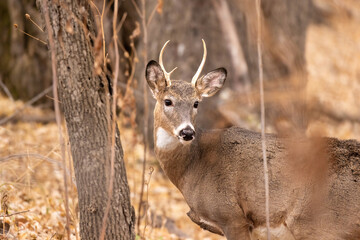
167,74
198,72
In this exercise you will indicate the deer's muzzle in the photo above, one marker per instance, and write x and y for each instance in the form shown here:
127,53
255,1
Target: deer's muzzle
187,134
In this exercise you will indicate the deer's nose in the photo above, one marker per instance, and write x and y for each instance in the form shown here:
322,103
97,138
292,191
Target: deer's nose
187,133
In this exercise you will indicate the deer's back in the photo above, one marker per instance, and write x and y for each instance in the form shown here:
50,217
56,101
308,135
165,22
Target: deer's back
314,183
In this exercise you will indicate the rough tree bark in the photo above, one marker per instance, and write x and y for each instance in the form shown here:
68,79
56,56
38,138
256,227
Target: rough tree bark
83,91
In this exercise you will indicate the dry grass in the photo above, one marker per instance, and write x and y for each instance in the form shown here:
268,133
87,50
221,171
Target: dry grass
33,184
37,185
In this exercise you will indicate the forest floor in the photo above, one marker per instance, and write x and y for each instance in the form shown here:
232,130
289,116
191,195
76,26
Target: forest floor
32,186
31,176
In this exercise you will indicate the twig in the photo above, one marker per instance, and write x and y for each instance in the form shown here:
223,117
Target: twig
151,170
6,90
68,151
96,8
146,109
113,124
137,8
30,19
53,236
29,103
27,34
70,162
102,32
16,213
121,22
152,14
57,107
263,140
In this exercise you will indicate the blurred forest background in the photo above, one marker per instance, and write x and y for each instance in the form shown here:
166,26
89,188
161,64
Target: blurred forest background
311,54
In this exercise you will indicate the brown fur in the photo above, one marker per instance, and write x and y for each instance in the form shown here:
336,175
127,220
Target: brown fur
314,184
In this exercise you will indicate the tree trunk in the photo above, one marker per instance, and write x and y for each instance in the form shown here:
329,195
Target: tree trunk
82,92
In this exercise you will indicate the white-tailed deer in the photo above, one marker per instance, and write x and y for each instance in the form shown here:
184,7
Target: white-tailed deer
220,172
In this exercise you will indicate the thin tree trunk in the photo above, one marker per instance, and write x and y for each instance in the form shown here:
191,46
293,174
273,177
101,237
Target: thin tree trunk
24,60
82,92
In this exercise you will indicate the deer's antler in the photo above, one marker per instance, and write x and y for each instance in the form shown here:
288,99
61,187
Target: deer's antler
198,72
167,74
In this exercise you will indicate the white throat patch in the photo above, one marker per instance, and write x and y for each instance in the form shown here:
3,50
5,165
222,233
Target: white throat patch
165,141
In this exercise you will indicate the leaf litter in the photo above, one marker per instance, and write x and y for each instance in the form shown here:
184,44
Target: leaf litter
32,188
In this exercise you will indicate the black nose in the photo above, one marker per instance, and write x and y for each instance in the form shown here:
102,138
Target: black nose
187,134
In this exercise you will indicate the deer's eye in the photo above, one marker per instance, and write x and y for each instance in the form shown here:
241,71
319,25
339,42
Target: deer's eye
168,102
196,104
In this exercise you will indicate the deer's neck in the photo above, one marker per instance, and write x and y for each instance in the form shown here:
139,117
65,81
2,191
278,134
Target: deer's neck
174,156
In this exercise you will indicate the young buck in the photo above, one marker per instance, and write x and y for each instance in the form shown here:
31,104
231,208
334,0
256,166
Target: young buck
220,172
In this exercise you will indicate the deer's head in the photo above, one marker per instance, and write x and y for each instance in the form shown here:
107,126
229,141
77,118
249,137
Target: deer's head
176,100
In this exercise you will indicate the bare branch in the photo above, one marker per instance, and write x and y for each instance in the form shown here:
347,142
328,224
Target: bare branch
57,107
27,34
263,140
103,32
96,8
6,90
28,17
151,170
152,14
29,103
137,9
113,123
121,23
146,110
16,213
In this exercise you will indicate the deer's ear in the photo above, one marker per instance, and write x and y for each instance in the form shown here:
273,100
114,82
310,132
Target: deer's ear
155,77
211,83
